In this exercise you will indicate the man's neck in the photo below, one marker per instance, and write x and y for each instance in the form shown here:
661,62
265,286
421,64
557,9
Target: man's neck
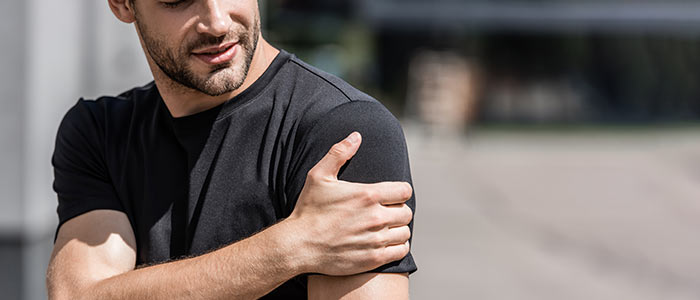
182,101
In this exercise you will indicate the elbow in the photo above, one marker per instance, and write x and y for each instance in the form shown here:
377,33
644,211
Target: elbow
63,293
61,289
58,291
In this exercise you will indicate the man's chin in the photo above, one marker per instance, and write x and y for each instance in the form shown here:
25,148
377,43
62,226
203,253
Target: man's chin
215,83
215,90
214,80
218,88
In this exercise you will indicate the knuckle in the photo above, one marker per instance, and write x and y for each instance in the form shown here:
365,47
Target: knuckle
376,219
368,195
315,176
376,256
312,175
372,195
377,240
338,149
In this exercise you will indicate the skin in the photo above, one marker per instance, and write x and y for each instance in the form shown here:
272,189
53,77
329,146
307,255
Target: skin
94,255
191,25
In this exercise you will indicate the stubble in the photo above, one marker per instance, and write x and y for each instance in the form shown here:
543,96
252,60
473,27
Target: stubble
220,79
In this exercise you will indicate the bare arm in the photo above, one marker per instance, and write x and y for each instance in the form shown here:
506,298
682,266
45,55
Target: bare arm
94,258
361,286
94,255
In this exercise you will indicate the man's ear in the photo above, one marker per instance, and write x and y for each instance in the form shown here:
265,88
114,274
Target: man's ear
123,10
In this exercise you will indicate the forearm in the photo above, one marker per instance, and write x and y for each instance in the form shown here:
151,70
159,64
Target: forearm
360,286
246,269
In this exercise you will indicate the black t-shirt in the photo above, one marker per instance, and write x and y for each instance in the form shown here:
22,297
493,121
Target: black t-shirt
191,133
127,153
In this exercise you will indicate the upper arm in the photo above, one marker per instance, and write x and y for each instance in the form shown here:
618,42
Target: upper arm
89,248
361,286
82,178
95,239
382,156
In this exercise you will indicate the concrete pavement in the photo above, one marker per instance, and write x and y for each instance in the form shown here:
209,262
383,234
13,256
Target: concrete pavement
557,215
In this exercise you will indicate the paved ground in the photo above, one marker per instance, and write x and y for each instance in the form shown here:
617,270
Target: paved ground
584,215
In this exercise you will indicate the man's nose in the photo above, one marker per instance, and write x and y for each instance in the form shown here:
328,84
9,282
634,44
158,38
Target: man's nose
215,19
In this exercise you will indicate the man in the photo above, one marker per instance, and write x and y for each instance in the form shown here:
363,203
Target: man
216,181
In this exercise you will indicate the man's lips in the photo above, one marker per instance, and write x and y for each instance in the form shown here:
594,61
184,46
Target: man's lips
217,54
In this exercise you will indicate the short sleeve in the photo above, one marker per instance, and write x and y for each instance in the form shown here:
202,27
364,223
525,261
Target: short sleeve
81,177
382,156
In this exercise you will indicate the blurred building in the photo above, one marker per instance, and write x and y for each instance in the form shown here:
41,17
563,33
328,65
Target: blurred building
442,90
545,61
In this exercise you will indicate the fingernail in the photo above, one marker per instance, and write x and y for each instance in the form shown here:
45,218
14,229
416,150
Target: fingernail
354,137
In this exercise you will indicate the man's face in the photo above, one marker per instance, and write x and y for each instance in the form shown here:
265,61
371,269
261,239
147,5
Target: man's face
205,45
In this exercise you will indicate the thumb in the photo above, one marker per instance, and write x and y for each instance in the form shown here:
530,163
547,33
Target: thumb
330,164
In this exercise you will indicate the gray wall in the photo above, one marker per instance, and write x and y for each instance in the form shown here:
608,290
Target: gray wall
12,94
53,53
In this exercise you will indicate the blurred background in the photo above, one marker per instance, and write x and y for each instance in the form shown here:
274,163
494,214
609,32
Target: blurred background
555,144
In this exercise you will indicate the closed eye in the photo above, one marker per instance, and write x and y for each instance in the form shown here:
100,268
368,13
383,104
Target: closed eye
173,4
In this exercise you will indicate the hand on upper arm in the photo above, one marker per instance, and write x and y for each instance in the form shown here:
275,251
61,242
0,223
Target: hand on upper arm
89,248
360,286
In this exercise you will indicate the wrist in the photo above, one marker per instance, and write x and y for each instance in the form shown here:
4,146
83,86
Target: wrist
291,241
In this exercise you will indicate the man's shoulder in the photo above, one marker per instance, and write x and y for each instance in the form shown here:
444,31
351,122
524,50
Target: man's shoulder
111,108
107,117
129,97
326,84
317,94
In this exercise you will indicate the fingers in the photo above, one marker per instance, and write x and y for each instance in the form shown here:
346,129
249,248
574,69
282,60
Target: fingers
398,215
396,252
330,165
397,235
390,244
388,193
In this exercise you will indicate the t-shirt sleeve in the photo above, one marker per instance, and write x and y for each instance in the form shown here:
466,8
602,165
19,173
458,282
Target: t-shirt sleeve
382,156
81,178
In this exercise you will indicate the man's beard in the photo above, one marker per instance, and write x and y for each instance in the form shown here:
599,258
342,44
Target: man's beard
222,78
